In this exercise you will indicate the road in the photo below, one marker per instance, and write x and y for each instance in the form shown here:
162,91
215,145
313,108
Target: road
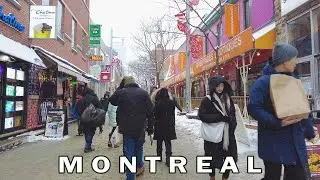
39,160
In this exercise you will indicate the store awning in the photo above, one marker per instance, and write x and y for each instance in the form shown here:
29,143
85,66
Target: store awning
265,37
92,77
20,51
63,67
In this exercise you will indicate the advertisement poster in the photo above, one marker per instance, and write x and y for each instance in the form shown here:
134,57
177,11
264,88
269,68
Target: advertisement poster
314,161
55,123
95,35
42,22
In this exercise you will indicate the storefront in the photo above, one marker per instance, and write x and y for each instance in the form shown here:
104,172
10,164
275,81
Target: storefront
16,62
303,33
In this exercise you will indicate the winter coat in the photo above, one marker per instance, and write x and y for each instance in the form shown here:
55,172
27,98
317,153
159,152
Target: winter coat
164,113
112,113
135,110
208,113
105,103
276,143
89,98
154,94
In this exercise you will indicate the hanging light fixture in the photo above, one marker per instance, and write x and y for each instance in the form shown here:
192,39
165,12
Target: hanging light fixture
6,58
258,53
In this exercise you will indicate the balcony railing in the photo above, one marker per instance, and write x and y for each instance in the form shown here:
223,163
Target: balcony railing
196,101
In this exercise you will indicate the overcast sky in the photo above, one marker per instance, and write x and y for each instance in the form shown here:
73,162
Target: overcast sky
124,15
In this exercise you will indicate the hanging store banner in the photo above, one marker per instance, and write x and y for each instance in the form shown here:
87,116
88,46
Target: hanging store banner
236,46
232,25
55,123
95,35
42,22
105,77
182,61
170,72
196,46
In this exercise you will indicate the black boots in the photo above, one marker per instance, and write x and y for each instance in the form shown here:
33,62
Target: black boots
159,154
168,155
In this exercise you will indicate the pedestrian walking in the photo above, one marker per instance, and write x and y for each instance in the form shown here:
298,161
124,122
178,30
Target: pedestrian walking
281,142
134,118
164,126
104,103
217,109
112,113
88,129
78,115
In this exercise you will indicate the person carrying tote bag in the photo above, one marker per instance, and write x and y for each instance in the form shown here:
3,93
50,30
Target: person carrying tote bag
217,113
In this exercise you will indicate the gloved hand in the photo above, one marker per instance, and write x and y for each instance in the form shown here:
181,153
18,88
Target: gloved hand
225,119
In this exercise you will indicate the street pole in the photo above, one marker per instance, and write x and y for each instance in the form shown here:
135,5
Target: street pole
188,73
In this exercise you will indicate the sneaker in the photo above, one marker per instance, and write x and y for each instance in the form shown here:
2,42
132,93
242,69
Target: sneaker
89,150
80,134
140,171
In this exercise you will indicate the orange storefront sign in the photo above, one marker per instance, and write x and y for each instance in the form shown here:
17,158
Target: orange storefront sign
204,64
238,45
180,77
232,22
182,59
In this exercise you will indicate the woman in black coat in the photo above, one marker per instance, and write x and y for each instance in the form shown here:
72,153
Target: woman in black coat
220,95
164,113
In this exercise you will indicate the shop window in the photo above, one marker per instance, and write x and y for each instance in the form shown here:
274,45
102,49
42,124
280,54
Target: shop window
82,39
59,19
247,13
304,72
316,18
299,35
74,34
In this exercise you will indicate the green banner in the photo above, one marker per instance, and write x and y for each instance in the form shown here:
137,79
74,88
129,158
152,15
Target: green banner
95,35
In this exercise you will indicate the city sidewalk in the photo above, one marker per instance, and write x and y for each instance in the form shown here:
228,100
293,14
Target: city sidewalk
39,160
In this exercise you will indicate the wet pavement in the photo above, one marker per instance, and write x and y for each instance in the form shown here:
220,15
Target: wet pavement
39,160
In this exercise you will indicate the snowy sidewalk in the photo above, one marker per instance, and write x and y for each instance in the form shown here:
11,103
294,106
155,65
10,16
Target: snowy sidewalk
39,160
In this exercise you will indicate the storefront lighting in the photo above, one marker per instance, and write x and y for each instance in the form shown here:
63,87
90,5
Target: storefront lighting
258,54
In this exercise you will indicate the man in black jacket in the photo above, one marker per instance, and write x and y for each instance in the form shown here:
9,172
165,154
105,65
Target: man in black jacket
134,117
88,129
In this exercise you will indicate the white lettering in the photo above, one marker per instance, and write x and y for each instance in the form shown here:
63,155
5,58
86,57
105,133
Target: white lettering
180,165
106,164
201,164
229,164
124,162
76,162
153,163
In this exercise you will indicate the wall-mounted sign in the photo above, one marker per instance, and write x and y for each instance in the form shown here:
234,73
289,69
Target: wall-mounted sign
95,35
42,22
108,69
96,58
10,20
105,77
289,5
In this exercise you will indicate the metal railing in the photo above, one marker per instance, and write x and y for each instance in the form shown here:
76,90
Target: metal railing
196,101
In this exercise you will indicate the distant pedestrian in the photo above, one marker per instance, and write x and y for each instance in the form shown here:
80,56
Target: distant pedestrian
104,103
134,118
164,127
281,141
217,109
88,129
112,113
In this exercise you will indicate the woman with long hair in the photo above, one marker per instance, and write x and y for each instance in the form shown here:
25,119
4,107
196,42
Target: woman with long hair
164,113
217,109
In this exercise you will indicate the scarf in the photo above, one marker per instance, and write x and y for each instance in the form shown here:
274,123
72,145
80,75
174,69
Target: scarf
223,111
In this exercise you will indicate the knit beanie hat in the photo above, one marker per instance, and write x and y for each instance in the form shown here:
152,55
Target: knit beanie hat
283,52
128,80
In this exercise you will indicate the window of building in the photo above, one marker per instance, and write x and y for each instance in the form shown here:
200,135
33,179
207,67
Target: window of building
74,33
45,2
299,35
247,13
82,39
316,36
59,19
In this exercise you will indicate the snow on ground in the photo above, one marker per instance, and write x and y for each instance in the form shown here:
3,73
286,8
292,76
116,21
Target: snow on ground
34,138
193,127
31,133
194,113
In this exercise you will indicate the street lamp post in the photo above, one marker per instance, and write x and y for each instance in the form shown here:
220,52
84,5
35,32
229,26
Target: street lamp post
188,69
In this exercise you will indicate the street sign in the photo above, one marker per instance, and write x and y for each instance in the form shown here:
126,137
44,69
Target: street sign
95,35
104,77
96,58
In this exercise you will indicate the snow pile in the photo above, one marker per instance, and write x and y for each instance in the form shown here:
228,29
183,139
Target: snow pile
194,113
34,138
192,126
31,133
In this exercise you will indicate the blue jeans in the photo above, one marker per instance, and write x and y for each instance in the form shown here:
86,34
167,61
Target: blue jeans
131,148
88,138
